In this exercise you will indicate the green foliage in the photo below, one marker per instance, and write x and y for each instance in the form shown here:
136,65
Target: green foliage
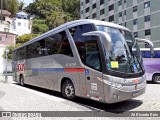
53,13
19,41
24,38
39,26
10,48
12,6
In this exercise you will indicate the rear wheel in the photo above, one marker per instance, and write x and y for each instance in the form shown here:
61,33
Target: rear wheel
156,79
68,90
21,80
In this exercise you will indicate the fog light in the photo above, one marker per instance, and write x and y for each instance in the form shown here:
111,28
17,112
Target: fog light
115,96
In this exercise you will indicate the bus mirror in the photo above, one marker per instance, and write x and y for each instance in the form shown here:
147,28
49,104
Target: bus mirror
104,37
149,43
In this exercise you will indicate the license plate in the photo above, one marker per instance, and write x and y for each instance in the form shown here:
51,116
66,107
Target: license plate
135,94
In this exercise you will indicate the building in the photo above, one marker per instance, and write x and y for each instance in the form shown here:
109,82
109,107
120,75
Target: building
21,24
7,37
140,16
5,16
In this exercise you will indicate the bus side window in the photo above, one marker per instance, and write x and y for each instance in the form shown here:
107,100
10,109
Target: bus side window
58,44
147,54
157,54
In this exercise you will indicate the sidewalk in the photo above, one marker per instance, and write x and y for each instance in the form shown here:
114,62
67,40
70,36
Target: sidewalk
2,79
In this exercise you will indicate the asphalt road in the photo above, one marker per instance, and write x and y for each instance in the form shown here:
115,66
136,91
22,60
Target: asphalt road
17,98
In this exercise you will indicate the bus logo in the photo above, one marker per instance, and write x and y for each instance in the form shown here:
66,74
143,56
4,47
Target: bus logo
21,66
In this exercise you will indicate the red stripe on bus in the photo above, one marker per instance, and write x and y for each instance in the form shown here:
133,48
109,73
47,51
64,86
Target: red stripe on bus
74,69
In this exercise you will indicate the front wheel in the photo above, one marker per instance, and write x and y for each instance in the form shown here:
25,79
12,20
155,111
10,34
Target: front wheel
68,90
156,79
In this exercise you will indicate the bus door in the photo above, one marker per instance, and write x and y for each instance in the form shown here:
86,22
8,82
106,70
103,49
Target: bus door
93,70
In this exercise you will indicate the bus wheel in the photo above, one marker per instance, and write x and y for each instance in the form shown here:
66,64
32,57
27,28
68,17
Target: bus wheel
156,79
21,80
68,90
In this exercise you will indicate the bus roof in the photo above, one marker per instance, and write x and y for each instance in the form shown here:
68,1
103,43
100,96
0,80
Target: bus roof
72,24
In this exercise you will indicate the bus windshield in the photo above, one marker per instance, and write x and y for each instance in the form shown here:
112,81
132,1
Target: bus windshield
124,56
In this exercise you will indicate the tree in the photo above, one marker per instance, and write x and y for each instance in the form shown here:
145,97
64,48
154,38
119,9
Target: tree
12,6
10,48
25,38
21,5
55,12
39,26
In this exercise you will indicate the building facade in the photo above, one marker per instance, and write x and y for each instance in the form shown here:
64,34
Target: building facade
7,37
140,16
21,24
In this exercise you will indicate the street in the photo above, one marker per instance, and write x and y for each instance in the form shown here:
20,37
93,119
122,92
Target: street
14,97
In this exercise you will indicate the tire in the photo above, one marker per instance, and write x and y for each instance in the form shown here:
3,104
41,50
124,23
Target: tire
156,79
68,90
21,80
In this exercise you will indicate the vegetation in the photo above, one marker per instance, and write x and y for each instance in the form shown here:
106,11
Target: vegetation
12,6
48,14
53,13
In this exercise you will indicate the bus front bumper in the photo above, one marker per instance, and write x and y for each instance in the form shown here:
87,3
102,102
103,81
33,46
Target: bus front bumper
114,95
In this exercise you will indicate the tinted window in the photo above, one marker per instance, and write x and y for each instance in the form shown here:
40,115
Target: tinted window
36,49
86,46
92,54
54,44
21,53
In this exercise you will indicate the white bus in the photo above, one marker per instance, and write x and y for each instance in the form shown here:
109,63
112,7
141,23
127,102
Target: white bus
86,58
151,64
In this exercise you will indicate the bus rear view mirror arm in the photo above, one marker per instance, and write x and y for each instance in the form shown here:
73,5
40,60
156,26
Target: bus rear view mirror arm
149,43
104,37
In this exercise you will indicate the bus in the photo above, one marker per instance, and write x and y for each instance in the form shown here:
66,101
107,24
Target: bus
151,64
86,58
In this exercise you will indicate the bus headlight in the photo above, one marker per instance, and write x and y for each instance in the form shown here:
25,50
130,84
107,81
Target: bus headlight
117,85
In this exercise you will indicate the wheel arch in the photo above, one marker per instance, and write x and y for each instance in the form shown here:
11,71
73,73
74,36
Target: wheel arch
63,80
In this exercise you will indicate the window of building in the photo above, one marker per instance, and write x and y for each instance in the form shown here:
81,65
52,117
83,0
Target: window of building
81,3
125,12
125,24
147,4
111,7
94,15
124,1
111,18
2,38
147,18
120,14
82,12
3,18
120,2
87,1
102,12
135,34
101,2
94,6
135,9
87,17
87,9
135,22
103,19
147,32
19,23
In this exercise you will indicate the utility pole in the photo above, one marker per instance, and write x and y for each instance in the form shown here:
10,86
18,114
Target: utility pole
1,10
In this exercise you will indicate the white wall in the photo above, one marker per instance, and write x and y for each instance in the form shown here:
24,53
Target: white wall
23,28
